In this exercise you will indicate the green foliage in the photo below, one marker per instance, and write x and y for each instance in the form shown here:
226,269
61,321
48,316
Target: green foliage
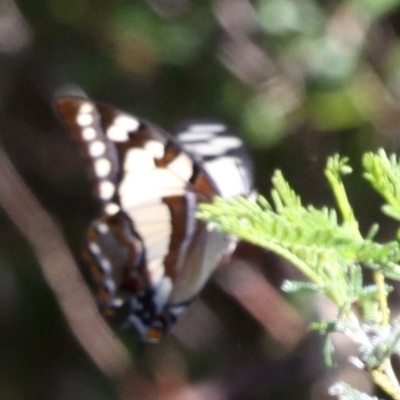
384,174
329,252
327,246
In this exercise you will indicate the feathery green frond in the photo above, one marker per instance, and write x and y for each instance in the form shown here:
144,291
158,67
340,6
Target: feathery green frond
312,239
384,174
335,168
331,252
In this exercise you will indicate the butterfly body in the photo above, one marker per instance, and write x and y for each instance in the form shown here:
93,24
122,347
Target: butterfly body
148,254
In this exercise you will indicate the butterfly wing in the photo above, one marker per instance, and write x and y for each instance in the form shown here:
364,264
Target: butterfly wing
227,163
148,254
222,155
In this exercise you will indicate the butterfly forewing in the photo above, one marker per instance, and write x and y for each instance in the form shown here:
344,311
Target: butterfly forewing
148,254
222,155
85,125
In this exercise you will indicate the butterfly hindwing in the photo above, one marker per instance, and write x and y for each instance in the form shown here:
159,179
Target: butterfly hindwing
148,254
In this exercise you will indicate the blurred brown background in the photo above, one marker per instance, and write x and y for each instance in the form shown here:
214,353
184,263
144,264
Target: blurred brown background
298,80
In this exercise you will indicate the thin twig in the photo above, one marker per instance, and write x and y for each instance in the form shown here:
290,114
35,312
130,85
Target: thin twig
61,272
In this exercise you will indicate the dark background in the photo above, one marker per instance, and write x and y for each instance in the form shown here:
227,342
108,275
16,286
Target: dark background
298,80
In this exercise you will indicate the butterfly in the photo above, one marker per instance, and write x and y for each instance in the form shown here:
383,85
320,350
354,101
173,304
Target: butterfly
148,254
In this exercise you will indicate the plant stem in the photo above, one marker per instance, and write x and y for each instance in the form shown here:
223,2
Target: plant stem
382,298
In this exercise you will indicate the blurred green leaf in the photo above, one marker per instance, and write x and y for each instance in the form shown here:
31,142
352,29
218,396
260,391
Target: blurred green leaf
333,110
